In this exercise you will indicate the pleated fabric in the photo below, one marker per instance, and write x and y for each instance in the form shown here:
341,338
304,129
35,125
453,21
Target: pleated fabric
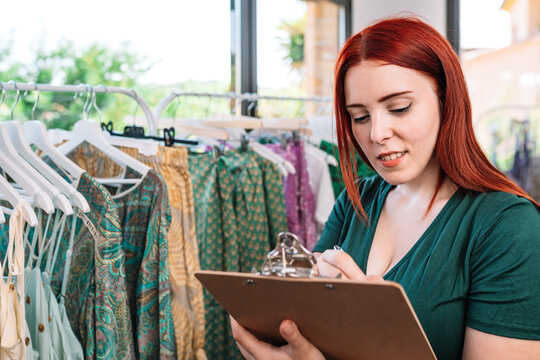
186,291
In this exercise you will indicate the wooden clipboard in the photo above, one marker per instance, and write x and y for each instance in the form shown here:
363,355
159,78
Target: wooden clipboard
344,319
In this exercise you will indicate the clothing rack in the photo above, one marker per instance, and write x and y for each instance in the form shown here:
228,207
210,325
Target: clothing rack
87,89
250,97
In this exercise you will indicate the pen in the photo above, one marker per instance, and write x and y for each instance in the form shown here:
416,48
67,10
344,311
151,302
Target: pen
337,247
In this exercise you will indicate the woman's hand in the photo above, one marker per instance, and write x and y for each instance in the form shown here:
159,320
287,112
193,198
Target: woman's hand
331,263
297,348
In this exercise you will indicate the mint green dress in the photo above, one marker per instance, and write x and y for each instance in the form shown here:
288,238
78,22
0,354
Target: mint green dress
64,343
477,264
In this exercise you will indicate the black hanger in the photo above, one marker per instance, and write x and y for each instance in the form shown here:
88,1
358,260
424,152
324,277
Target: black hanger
133,131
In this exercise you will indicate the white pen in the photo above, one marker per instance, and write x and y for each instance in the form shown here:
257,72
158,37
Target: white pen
337,247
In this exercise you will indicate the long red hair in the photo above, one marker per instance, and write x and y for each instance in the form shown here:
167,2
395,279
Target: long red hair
413,44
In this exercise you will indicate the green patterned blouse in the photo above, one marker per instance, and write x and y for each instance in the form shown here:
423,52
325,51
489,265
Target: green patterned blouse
240,209
145,218
96,297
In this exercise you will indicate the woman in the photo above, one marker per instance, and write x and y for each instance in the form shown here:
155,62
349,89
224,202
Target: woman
462,240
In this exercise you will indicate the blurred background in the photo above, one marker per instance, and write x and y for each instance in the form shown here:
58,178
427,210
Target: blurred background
268,47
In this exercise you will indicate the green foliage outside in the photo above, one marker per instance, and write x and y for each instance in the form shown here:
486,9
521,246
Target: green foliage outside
122,67
293,42
68,65
95,65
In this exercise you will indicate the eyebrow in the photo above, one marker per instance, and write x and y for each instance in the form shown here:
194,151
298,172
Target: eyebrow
383,99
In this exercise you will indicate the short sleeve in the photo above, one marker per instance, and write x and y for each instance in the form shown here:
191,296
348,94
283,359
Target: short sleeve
504,295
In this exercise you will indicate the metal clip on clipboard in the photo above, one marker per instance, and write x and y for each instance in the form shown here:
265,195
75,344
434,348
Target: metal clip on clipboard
289,258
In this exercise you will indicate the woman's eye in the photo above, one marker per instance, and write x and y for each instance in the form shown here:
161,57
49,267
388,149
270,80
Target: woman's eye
402,110
361,119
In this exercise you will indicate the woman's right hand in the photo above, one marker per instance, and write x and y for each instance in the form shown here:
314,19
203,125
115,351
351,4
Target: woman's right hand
297,346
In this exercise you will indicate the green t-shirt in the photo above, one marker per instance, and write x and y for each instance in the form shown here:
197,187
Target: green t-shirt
477,264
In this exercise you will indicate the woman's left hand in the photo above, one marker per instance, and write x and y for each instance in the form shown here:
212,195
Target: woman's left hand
331,263
297,348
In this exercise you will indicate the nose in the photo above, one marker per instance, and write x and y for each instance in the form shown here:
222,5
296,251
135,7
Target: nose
381,129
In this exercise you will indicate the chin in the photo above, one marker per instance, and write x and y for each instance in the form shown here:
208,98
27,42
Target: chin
394,179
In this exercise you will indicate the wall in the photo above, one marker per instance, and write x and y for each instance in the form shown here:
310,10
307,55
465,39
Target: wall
365,12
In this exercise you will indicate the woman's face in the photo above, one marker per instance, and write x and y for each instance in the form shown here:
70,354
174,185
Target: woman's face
395,119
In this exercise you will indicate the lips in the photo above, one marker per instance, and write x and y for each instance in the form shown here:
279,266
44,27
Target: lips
392,159
391,155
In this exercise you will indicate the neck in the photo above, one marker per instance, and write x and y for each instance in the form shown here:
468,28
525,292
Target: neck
423,187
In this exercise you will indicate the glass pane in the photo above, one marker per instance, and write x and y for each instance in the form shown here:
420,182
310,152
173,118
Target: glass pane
154,48
297,49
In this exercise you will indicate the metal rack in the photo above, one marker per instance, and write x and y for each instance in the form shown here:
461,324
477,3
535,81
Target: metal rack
85,88
249,97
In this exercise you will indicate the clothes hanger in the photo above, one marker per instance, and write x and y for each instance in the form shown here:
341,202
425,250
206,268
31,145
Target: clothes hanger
14,198
146,147
283,164
36,134
285,124
207,133
196,127
330,160
89,131
239,121
19,143
233,121
60,201
22,178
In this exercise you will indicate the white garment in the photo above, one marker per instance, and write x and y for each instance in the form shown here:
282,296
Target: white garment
321,185
323,128
12,323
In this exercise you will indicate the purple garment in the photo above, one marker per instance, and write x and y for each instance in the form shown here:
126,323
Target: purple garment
299,199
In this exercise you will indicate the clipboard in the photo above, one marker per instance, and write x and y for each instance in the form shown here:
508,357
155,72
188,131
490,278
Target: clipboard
344,319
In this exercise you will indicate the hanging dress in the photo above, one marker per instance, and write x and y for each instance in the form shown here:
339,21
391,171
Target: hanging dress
12,311
186,291
91,267
145,218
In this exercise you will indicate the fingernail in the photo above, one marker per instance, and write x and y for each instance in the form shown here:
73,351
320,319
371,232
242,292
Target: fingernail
288,328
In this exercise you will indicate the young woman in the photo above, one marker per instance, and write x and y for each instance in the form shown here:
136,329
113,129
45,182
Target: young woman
462,239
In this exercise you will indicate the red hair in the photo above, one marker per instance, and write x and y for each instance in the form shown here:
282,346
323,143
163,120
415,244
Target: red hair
411,43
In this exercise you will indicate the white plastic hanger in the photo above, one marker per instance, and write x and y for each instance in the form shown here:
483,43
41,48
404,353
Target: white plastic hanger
40,198
36,134
23,179
19,143
12,196
285,124
238,121
90,131
285,166
330,160
59,200
184,126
